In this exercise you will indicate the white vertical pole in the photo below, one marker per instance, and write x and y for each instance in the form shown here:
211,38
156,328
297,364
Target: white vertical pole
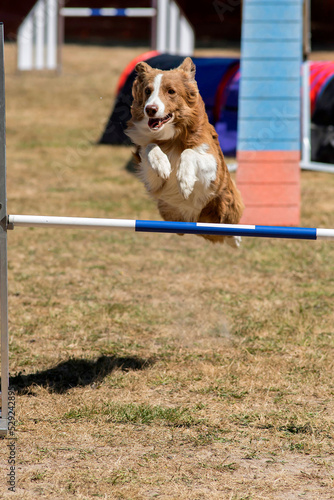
306,115
40,34
4,334
174,28
162,25
187,40
25,44
51,33
3,249
60,36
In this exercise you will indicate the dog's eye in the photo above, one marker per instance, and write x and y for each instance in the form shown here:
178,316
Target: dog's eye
171,91
148,91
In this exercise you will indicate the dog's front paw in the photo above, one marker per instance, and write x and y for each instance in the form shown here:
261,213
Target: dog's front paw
186,174
158,161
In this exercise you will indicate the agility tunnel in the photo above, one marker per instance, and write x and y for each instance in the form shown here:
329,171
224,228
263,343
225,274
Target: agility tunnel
218,83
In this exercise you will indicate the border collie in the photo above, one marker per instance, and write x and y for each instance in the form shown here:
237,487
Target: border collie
178,152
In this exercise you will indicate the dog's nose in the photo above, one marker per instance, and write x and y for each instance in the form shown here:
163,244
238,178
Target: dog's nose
151,109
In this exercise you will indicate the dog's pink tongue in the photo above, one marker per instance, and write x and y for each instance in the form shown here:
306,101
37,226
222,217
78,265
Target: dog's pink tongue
154,123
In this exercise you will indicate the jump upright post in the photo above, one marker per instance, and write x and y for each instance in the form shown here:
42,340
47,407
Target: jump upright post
3,248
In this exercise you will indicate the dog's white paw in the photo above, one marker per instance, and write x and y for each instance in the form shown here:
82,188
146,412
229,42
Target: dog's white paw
234,241
186,174
158,161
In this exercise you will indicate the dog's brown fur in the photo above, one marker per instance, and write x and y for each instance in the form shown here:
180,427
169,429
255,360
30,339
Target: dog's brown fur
220,202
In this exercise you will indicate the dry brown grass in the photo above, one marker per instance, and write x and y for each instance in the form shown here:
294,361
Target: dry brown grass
154,366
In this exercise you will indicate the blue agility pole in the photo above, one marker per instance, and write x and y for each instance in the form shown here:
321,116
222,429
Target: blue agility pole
148,226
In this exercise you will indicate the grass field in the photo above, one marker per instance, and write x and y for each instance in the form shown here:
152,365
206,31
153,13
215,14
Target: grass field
153,366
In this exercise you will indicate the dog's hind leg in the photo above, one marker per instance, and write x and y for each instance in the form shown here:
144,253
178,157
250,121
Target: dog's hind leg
215,213
170,213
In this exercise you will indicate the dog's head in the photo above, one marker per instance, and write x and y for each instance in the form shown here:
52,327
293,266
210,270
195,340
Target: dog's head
163,101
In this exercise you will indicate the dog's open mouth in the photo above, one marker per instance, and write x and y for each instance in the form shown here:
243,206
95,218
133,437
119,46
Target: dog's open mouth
157,123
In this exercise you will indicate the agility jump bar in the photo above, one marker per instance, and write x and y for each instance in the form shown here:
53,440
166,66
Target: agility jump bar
107,12
149,226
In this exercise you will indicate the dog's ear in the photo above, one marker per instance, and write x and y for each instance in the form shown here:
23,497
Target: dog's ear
142,68
189,67
135,89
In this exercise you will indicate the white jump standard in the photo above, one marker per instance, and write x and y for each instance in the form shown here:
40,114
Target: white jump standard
151,226
41,34
3,251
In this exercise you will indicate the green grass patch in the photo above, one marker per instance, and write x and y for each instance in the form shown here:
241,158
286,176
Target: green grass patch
143,414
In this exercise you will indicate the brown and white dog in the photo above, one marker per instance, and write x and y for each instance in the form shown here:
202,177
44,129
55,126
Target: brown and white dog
178,153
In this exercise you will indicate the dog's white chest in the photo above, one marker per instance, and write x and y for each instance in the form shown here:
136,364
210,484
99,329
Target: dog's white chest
184,181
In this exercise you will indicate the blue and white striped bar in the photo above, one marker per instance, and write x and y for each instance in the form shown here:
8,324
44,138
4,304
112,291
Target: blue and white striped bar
148,226
107,12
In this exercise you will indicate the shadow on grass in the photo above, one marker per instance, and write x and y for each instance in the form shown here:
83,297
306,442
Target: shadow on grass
131,166
75,373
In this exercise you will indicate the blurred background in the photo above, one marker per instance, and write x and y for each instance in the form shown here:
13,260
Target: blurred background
206,16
